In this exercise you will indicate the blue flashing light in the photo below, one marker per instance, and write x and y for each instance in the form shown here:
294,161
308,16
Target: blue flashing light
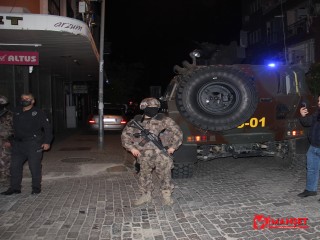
271,65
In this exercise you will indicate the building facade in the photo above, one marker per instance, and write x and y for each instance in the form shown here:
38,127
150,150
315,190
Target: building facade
285,31
49,48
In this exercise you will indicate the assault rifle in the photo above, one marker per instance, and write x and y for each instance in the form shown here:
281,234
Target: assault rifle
148,136
3,112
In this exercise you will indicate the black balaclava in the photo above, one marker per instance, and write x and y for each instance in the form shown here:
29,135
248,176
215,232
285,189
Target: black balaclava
25,103
151,111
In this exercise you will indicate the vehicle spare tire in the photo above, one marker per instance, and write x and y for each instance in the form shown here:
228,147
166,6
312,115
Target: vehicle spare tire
216,97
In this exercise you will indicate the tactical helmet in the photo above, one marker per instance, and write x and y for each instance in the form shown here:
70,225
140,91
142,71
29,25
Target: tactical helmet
149,102
3,100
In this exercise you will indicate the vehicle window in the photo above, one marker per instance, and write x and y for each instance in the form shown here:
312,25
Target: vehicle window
292,82
287,83
302,85
107,111
281,83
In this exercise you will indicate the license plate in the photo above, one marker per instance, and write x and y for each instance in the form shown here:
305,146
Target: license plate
109,120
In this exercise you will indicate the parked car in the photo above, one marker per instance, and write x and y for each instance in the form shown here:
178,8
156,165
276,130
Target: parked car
114,119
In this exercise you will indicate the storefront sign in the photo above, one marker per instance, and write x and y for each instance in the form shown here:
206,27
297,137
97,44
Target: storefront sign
19,58
43,23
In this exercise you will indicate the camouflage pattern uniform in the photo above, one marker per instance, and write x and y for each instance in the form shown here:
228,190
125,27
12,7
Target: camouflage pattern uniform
6,132
151,157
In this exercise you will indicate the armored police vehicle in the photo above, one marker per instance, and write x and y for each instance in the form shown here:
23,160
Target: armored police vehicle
236,111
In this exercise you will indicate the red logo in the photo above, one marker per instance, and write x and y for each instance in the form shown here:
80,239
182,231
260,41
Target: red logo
19,58
261,222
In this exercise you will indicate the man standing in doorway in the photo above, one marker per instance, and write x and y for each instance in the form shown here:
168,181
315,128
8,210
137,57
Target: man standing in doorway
32,136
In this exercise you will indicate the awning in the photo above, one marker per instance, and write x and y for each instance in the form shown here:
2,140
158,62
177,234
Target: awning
65,45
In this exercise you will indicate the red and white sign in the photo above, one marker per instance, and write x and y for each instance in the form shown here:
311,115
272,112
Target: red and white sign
261,222
19,58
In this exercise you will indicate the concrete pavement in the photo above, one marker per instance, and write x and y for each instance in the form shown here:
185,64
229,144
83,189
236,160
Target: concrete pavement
88,194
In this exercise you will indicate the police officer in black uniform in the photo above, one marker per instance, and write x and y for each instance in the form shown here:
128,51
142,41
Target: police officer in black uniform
32,136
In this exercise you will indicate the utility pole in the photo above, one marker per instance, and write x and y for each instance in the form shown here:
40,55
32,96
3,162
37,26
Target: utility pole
101,67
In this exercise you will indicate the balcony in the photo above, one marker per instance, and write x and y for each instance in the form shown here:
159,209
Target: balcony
298,28
269,5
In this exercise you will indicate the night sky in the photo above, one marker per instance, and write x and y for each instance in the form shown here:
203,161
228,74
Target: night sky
160,34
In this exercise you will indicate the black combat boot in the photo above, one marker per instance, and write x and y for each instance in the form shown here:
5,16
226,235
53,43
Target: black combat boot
307,193
11,191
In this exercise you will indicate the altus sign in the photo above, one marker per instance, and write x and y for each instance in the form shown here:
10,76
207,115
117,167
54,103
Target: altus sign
19,58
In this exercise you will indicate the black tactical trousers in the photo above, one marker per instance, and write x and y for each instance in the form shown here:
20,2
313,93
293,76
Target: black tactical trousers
26,151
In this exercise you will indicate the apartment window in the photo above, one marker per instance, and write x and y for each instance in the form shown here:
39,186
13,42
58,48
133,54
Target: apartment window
254,37
257,34
302,52
302,13
255,6
54,7
250,38
274,30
